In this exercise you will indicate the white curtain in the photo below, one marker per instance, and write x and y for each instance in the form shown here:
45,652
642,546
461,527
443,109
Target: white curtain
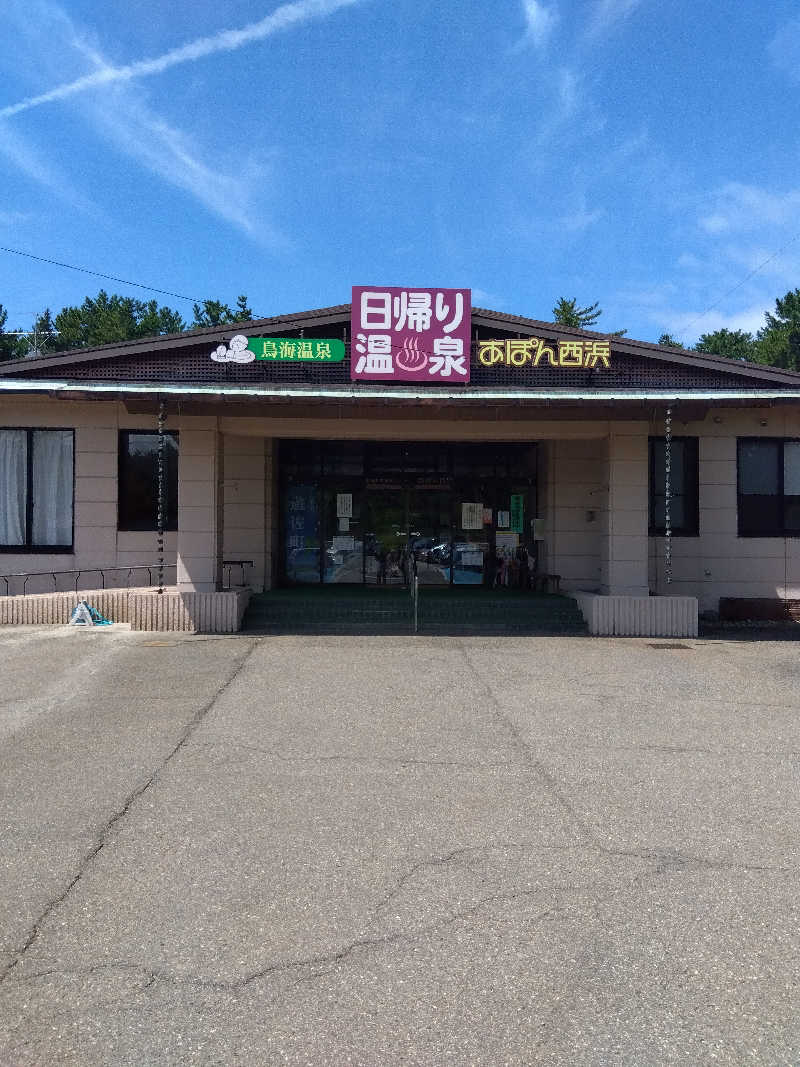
52,487
13,486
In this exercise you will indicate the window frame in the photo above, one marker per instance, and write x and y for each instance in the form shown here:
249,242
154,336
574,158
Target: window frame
781,442
29,549
122,453
691,491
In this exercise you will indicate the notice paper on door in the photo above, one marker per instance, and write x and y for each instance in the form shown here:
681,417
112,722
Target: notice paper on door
471,516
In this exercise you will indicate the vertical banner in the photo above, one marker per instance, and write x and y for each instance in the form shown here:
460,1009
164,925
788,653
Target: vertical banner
517,512
410,335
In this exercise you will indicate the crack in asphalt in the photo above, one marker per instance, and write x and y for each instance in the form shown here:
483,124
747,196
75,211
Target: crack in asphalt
527,753
104,834
401,761
664,861
152,977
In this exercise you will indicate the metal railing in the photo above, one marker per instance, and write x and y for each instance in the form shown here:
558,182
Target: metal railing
413,585
24,577
127,569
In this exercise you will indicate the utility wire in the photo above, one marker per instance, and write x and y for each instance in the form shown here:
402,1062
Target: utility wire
99,274
739,285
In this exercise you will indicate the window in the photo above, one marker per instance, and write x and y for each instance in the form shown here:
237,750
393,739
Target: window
684,502
769,487
138,480
36,490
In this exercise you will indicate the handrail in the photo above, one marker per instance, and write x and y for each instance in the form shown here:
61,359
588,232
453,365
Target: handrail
151,568
413,587
102,571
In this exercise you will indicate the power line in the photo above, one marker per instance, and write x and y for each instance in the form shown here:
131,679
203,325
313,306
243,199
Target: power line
739,285
99,274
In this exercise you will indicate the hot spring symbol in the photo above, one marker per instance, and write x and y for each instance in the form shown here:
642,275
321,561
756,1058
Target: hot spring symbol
409,358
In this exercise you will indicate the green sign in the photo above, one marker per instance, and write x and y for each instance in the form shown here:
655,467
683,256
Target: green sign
517,512
297,349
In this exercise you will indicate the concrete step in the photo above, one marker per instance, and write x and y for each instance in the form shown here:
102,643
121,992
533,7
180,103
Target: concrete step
391,611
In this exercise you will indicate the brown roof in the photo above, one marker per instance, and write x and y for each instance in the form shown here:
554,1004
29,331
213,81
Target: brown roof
340,315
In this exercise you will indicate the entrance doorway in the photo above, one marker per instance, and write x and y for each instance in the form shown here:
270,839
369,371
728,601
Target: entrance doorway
375,513
408,530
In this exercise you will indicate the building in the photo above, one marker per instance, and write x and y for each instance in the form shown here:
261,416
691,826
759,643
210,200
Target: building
290,456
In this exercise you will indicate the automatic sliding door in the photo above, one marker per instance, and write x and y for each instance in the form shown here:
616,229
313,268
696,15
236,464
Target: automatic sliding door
429,534
386,538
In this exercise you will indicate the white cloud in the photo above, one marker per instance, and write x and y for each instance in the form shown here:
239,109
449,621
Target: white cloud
714,224
540,22
607,13
579,221
746,208
284,17
694,323
170,153
24,157
567,84
784,49
231,190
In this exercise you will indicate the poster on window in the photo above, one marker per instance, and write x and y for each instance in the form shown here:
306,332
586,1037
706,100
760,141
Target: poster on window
344,505
506,544
471,516
410,335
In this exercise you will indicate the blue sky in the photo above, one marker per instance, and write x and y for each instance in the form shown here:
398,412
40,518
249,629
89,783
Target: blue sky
645,155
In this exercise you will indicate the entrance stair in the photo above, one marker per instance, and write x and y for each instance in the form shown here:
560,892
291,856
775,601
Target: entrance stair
457,611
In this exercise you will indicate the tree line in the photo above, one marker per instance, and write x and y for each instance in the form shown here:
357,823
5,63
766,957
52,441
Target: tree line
776,344
106,319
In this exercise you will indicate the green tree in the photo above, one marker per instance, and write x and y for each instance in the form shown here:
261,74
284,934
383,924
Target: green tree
735,344
215,313
568,313
44,335
778,341
8,343
108,319
243,309
669,341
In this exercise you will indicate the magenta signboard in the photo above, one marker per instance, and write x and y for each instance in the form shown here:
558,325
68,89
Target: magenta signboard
410,335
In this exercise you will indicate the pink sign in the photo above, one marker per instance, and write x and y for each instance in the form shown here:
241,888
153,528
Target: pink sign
410,335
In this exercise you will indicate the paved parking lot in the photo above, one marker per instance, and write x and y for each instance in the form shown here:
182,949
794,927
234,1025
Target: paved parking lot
556,851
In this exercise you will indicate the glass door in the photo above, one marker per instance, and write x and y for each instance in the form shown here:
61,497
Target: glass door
429,534
386,538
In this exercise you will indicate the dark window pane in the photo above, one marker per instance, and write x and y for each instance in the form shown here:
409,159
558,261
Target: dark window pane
343,457
301,459
684,503
759,467
791,515
138,481
791,468
760,516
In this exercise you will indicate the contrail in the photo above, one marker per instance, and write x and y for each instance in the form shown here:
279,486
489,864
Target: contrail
282,18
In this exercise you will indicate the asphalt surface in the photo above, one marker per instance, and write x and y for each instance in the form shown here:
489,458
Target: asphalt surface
557,851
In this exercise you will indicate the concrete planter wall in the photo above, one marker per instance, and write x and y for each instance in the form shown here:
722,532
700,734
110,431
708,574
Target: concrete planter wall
211,613
639,616
144,609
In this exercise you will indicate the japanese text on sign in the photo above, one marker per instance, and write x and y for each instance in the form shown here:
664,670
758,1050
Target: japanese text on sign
517,512
242,349
297,349
534,351
410,335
